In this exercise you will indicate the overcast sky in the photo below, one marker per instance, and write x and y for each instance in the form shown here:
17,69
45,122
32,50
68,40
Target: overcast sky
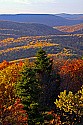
41,6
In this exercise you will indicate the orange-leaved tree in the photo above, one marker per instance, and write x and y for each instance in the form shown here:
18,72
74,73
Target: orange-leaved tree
72,75
14,114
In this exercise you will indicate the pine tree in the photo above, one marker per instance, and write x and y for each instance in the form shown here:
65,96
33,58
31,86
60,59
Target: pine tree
28,90
43,65
48,79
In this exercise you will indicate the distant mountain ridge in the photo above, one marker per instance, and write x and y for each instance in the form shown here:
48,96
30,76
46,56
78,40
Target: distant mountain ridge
71,16
46,19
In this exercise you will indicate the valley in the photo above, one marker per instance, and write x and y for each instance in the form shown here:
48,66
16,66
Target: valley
41,69
21,35
62,46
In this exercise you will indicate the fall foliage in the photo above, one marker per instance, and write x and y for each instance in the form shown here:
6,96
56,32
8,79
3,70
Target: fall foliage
72,75
28,90
13,114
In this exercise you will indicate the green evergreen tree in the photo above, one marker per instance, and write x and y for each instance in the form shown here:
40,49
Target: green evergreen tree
28,89
48,79
37,88
43,65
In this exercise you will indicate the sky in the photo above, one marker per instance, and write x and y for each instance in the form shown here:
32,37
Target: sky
41,6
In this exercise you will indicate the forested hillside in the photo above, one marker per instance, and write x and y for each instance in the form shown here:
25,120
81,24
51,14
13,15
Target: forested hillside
70,29
41,69
42,92
14,29
78,32
64,46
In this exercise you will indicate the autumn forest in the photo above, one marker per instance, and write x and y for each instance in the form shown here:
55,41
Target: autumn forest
41,72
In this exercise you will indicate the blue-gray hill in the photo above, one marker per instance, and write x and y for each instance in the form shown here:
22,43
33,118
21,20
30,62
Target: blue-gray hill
47,19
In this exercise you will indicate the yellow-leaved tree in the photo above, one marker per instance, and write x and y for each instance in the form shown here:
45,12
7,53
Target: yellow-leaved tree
8,102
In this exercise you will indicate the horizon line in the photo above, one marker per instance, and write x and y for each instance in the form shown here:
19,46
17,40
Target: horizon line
37,13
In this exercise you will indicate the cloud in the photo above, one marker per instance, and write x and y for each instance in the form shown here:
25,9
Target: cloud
29,1
16,1
42,1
